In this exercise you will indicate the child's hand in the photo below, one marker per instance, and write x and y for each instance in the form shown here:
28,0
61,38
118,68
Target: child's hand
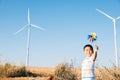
95,48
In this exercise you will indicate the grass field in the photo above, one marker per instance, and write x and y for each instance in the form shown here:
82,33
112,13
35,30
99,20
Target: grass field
62,71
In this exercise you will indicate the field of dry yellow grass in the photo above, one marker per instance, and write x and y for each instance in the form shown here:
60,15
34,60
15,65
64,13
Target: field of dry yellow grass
40,73
45,72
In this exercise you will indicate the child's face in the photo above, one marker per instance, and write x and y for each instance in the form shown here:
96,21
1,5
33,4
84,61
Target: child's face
88,51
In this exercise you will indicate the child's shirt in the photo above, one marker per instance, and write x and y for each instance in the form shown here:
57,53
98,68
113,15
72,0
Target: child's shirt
88,68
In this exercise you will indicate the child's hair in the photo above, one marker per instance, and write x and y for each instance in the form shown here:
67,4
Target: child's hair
88,45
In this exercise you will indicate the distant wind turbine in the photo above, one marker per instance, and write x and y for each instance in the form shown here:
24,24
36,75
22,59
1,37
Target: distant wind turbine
115,38
29,25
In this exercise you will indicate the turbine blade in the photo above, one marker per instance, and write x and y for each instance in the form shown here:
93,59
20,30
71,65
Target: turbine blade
104,14
38,27
20,29
28,16
118,17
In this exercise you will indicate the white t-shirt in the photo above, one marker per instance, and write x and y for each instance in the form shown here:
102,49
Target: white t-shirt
88,68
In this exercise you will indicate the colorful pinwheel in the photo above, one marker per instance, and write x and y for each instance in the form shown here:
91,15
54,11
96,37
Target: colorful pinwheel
92,37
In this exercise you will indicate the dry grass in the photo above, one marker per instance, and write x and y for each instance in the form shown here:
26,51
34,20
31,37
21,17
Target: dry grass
25,78
49,73
107,74
101,74
42,71
65,71
9,70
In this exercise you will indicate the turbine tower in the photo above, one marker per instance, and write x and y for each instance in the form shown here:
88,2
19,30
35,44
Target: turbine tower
115,37
28,26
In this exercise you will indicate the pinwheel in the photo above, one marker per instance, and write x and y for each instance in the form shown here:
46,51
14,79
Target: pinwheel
92,37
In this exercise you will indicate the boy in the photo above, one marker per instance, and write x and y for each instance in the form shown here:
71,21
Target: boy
88,62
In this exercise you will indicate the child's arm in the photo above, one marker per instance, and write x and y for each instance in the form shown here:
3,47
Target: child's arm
95,53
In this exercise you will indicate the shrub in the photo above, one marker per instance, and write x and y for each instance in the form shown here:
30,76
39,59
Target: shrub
9,70
65,71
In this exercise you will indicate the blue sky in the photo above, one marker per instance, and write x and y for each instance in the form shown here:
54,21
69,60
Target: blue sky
67,24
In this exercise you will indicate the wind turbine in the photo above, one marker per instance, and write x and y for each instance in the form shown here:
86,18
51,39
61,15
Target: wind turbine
115,37
29,25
